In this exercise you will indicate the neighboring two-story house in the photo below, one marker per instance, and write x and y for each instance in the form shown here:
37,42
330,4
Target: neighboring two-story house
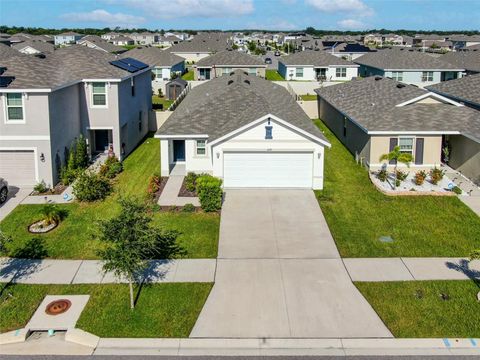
224,62
408,66
45,103
96,42
67,38
144,38
316,65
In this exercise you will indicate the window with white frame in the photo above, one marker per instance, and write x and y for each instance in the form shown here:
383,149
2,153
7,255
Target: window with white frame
99,94
298,72
397,75
427,76
341,72
226,71
406,145
201,148
14,105
252,71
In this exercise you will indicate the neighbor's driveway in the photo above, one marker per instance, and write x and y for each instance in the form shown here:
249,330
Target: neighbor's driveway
15,197
279,273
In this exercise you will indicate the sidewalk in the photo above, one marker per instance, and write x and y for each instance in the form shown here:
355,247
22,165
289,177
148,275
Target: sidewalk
169,196
409,269
90,271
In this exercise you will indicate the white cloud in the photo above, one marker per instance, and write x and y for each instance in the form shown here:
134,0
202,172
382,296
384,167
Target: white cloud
272,24
332,6
351,24
105,17
183,8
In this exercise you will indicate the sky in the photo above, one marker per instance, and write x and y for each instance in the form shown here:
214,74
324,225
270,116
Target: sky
244,14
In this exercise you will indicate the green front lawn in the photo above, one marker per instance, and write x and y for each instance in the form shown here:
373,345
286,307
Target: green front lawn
162,310
157,100
74,237
413,309
308,97
188,75
273,75
358,214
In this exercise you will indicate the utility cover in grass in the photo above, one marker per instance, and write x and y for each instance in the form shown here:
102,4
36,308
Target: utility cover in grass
385,239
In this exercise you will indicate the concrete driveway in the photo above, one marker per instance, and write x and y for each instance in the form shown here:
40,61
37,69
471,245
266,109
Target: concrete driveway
15,197
279,274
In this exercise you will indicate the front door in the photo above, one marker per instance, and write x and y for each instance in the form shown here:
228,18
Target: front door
178,150
101,140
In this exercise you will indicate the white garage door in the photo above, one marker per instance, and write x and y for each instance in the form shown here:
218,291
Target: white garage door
268,169
17,167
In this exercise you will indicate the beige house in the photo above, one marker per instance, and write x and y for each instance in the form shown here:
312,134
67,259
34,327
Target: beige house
373,115
224,62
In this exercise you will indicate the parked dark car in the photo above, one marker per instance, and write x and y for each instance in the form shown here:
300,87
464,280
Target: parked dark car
268,61
277,53
3,190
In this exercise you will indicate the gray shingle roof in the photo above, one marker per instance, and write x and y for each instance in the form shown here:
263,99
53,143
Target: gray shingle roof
372,104
465,89
468,60
231,57
101,43
62,66
227,103
41,46
315,58
403,59
154,56
202,43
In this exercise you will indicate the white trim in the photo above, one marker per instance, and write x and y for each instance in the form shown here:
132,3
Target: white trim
263,118
204,148
5,107
26,137
35,156
160,136
426,95
92,105
7,91
401,132
99,127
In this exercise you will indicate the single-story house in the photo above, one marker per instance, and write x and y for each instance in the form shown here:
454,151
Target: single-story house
224,62
201,46
348,51
408,66
174,88
468,60
465,90
32,47
371,116
164,63
96,42
316,65
246,130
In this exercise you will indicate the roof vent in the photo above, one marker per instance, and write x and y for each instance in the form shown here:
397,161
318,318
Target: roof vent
230,82
245,73
378,78
373,104
400,85
40,56
246,82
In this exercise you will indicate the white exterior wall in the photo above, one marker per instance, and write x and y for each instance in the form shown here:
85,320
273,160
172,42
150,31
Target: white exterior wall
165,149
189,57
197,163
310,74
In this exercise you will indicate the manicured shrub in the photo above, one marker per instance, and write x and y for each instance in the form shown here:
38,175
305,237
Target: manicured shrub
209,190
401,175
382,175
41,187
436,175
51,214
67,176
190,181
420,177
111,167
457,190
81,155
189,208
153,185
90,186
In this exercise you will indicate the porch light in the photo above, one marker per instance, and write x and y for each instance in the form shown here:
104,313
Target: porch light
42,157
218,155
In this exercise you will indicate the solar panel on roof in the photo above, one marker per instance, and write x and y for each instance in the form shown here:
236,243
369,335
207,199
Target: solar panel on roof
135,63
124,66
6,80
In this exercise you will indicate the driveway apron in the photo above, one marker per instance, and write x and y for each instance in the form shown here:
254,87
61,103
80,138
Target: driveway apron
279,274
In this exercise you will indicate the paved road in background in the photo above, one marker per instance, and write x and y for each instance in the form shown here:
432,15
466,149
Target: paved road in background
274,64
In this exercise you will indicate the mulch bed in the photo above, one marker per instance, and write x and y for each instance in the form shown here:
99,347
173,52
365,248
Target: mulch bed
57,190
178,209
184,192
163,182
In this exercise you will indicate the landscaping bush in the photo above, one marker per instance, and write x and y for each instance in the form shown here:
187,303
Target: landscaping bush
190,181
189,208
420,177
153,185
68,176
209,190
51,214
401,175
457,190
111,167
81,154
436,175
382,175
90,186
41,187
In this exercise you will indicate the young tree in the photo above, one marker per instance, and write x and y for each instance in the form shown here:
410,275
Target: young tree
131,241
397,156
82,152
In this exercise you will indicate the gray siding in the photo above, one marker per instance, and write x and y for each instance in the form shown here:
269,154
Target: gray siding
465,157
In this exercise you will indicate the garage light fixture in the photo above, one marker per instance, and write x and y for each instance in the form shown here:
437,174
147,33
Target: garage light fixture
42,157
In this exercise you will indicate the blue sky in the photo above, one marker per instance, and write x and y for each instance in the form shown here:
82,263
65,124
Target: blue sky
244,14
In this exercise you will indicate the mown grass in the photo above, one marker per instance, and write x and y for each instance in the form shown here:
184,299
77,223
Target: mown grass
157,100
358,214
75,237
412,309
273,75
188,75
308,97
162,310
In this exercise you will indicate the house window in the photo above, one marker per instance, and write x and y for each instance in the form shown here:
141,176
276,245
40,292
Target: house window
201,148
406,145
226,71
268,132
427,76
341,72
298,72
15,107
99,93
252,71
397,75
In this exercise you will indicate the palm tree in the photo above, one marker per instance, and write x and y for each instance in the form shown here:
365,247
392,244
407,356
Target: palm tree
397,156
